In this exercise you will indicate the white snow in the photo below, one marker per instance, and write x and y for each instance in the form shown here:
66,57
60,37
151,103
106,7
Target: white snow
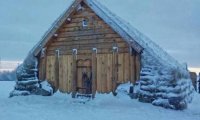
9,65
46,86
104,106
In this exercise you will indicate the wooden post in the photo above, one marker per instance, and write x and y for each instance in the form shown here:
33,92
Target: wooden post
138,66
74,73
94,72
44,61
115,70
132,66
57,69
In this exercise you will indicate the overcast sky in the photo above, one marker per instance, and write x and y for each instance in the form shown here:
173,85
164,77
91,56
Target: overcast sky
172,24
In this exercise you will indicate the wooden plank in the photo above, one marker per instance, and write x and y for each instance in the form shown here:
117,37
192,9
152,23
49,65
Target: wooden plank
69,69
65,73
120,68
97,35
99,73
51,71
86,32
74,76
61,79
48,70
83,15
126,62
44,66
94,73
115,71
104,73
82,42
132,68
137,60
79,28
56,73
42,70
109,73
91,38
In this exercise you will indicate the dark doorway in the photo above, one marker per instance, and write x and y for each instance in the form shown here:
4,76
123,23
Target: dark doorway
84,76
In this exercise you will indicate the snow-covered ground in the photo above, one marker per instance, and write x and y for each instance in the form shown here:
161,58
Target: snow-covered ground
63,107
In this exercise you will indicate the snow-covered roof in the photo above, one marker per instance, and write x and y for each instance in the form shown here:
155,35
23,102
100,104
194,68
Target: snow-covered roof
126,30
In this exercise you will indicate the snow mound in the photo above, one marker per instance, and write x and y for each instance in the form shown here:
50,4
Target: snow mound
46,86
169,91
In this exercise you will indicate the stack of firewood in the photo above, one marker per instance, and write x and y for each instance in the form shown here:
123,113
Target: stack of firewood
165,87
27,82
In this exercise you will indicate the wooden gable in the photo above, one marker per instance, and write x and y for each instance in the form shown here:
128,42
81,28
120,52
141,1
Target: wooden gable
74,35
85,31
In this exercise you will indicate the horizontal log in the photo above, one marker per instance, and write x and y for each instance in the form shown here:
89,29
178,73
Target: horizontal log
87,32
89,36
86,46
83,15
85,42
79,28
88,51
79,19
92,37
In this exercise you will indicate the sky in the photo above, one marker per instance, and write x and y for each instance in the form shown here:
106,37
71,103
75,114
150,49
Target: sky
172,24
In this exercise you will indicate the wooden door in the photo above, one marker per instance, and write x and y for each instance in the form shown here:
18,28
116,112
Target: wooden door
84,76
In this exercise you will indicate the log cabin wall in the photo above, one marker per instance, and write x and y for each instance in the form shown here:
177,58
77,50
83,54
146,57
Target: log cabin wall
83,31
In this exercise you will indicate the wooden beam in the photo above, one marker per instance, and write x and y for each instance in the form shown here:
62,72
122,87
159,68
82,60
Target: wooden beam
57,69
74,73
132,68
115,70
43,61
138,66
94,72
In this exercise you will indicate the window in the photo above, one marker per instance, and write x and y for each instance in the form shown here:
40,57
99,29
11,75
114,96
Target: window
85,23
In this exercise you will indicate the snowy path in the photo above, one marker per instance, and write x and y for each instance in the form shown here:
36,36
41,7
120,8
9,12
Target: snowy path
104,107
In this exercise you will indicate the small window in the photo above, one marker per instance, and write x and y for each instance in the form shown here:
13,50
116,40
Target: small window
85,23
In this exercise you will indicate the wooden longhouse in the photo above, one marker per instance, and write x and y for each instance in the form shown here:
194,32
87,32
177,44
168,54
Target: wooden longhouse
89,49
86,52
